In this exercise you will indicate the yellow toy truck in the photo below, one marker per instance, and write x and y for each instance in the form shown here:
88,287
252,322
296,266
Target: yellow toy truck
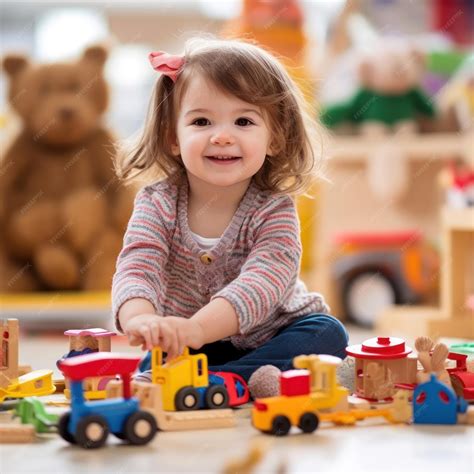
185,382
304,393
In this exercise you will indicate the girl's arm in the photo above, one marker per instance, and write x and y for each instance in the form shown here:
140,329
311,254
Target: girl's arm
217,320
139,273
132,308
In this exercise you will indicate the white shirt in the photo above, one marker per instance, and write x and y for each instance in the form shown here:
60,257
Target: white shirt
206,243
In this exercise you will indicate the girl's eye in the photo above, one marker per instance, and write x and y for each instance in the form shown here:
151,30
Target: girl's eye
201,122
243,122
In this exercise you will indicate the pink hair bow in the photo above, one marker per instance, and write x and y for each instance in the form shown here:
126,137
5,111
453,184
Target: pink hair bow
167,64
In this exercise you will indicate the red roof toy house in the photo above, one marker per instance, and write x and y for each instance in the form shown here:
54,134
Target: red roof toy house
381,364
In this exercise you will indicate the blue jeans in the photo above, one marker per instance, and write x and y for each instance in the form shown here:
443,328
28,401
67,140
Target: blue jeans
312,334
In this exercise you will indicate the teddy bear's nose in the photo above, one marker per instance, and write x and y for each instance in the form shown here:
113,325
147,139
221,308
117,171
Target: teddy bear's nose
66,113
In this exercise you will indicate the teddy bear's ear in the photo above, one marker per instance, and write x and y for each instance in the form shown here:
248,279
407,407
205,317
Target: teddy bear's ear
95,54
14,63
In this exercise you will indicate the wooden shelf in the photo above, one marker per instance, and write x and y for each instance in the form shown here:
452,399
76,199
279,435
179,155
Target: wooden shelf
422,147
458,219
452,319
414,321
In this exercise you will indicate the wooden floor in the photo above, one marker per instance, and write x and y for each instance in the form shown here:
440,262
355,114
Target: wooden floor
371,446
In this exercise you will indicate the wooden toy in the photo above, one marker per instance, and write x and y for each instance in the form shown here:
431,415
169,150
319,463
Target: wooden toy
235,385
436,403
381,364
376,270
185,382
89,423
433,360
151,399
185,371
461,378
303,394
16,433
31,411
87,341
12,384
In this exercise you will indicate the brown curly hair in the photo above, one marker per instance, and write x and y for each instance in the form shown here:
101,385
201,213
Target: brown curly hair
253,75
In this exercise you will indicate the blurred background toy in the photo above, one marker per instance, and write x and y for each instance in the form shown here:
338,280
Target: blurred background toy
61,208
457,179
373,271
389,101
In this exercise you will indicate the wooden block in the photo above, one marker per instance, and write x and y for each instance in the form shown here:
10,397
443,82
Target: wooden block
13,433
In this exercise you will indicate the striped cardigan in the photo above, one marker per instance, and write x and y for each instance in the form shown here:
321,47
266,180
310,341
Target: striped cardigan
254,265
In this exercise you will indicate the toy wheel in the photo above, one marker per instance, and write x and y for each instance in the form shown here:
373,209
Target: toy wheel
92,432
217,397
280,425
140,428
308,422
187,398
63,428
366,294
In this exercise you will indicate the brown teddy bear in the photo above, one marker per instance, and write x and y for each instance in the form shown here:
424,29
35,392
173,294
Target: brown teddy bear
62,210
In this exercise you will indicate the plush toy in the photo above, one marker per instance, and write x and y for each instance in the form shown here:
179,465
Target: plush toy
62,211
389,101
389,97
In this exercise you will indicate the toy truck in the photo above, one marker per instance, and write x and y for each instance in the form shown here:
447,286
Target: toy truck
89,423
185,382
376,270
304,393
235,385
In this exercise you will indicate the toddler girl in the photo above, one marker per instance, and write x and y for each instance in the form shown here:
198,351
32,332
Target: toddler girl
212,252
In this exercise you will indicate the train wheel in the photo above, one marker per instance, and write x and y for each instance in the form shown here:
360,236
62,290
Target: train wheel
92,432
63,428
140,428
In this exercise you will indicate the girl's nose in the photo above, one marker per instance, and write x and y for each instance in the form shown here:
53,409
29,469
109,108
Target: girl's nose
222,137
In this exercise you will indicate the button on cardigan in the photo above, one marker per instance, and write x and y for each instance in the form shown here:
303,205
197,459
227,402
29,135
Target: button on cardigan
254,265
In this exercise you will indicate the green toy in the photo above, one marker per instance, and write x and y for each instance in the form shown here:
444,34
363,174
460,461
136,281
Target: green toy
464,348
369,105
389,93
31,411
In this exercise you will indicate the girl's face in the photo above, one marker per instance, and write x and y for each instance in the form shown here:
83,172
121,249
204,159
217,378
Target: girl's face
222,140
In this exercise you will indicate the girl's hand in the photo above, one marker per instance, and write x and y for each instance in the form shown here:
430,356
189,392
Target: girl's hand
171,333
